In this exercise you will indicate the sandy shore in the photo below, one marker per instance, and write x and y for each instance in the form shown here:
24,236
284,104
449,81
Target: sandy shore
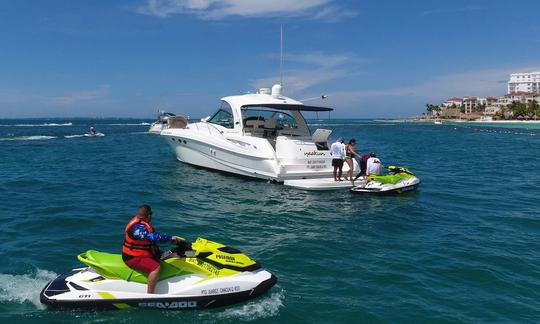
501,121
470,121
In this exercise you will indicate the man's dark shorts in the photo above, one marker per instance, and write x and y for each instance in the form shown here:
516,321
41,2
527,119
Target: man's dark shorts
337,163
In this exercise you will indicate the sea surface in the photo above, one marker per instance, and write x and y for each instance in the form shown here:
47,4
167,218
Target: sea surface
465,247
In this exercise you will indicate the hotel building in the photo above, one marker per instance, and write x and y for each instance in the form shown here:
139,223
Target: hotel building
524,82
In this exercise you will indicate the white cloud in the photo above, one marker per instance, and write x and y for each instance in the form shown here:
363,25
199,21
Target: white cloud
334,14
78,97
219,9
310,69
487,82
448,11
65,100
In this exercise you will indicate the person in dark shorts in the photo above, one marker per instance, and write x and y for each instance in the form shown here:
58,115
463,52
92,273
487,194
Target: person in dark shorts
337,151
140,251
363,165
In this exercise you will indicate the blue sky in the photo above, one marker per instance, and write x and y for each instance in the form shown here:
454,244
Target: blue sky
372,58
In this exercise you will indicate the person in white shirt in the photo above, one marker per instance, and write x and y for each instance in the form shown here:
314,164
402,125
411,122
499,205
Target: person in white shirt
374,165
337,151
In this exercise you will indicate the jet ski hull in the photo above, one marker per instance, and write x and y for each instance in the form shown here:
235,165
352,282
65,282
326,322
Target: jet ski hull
64,294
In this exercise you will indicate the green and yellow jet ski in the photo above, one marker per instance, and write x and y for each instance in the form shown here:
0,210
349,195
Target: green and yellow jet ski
398,180
200,275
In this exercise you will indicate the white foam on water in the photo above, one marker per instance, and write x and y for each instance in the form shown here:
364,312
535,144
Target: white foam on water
352,124
39,125
95,135
24,288
28,138
84,135
130,124
256,309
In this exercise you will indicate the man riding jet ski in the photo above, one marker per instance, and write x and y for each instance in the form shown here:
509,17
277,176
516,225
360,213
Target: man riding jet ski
94,133
140,251
398,180
199,275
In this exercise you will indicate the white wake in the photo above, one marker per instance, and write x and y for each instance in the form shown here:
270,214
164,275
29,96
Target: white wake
24,288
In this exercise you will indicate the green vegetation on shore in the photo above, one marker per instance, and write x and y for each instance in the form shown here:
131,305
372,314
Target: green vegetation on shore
515,110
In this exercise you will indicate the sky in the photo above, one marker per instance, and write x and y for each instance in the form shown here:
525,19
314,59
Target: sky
373,59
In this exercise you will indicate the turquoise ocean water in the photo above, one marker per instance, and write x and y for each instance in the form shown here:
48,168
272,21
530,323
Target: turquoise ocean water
465,247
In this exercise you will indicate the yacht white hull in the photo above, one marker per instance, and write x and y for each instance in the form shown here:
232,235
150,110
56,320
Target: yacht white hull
220,154
257,159
204,155
155,128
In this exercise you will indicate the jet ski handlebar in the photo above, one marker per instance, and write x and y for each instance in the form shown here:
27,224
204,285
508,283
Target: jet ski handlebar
183,244
183,248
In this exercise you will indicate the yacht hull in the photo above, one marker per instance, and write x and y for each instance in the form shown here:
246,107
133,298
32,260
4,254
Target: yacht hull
155,128
287,159
195,152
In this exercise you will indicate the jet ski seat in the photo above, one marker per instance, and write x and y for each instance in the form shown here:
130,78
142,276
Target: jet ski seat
111,266
386,179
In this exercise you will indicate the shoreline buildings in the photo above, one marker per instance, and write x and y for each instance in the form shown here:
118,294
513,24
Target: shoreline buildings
524,82
522,87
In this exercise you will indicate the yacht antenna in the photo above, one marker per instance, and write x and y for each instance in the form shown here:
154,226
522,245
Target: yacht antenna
281,55
322,97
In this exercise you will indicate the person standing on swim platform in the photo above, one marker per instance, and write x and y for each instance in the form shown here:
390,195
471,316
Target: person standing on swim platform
350,154
337,151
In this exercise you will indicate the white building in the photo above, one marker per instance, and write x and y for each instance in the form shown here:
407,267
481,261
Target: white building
456,102
524,82
491,110
470,103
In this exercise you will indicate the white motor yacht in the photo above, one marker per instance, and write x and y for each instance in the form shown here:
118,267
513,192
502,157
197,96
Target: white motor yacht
262,135
161,122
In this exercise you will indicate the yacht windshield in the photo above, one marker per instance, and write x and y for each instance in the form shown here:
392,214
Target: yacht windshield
268,122
223,117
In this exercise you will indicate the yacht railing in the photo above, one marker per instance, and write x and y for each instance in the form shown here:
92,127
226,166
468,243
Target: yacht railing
211,128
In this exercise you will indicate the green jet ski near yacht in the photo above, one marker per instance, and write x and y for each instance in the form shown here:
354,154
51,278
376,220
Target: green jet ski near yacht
398,180
200,275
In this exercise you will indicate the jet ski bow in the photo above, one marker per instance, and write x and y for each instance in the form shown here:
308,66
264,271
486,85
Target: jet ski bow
204,274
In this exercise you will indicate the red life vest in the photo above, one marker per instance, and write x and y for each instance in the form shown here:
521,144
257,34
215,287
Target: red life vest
138,248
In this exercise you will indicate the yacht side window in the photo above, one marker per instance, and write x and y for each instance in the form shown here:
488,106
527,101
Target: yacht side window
223,117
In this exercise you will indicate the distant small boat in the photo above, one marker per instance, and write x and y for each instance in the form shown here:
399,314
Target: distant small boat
437,122
161,122
94,134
